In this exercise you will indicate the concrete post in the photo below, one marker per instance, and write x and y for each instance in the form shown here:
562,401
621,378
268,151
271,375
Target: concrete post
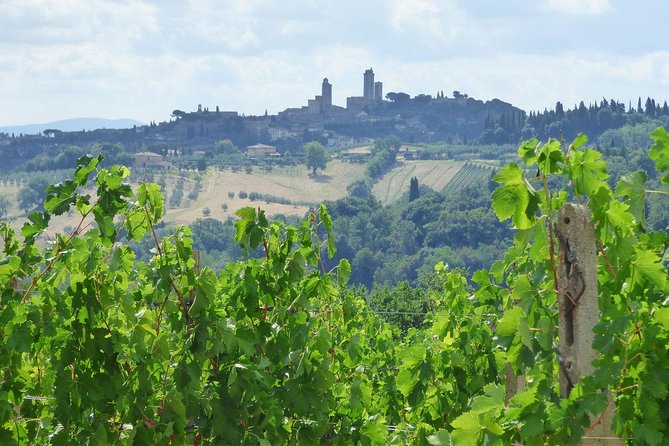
579,310
514,383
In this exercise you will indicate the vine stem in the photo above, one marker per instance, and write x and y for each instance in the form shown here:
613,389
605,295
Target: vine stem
182,301
608,261
551,239
55,256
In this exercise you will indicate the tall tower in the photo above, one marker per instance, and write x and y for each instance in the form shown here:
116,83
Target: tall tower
326,94
368,91
378,91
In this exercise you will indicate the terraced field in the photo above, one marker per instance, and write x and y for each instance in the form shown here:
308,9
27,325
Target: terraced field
435,174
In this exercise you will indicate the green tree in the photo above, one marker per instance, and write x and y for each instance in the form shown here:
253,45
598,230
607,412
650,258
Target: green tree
316,157
31,195
413,189
226,147
4,207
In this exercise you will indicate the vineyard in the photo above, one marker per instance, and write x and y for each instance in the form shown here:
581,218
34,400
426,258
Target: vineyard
98,347
470,174
434,174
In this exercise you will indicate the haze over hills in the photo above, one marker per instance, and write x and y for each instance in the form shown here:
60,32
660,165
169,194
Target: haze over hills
70,125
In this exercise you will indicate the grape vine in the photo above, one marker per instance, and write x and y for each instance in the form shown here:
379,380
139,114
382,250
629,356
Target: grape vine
101,348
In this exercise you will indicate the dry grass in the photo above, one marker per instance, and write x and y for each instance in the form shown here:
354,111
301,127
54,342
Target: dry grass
294,184
435,174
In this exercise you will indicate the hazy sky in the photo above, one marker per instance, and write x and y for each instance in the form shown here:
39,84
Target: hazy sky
143,58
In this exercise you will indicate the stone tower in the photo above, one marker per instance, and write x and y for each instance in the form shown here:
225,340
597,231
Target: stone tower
368,91
378,91
326,94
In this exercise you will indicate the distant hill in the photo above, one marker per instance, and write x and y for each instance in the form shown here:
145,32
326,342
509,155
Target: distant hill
71,125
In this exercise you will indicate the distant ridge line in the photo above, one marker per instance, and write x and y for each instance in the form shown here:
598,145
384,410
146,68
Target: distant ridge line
72,125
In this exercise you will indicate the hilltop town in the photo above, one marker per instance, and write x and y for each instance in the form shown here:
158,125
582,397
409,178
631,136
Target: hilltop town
423,118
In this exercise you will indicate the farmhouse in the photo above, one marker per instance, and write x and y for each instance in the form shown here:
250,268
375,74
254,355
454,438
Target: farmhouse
261,151
148,159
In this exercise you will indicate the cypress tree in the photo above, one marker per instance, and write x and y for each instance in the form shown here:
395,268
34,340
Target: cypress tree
414,192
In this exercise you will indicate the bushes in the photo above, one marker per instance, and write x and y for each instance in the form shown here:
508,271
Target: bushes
383,156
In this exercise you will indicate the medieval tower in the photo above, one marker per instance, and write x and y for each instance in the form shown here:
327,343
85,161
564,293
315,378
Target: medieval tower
368,90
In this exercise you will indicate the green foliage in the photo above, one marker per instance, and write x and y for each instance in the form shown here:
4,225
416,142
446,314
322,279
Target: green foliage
99,347
315,155
383,157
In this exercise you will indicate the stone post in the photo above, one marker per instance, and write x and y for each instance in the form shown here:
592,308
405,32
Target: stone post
579,310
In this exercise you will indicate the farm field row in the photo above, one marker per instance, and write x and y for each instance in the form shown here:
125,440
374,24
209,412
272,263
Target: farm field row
431,173
290,183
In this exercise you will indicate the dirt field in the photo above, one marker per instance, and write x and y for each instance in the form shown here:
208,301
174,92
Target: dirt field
435,174
294,184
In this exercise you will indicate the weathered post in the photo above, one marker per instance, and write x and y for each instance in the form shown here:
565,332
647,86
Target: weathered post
579,310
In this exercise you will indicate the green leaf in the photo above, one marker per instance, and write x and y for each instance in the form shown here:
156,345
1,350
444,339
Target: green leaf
375,431
138,225
587,171
85,165
467,430
661,315
646,266
633,187
440,438
508,325
149,196
492,401
59,197
343,272
578,142
37,223
551,158
619,216
659,152
528,151
9,265
515,198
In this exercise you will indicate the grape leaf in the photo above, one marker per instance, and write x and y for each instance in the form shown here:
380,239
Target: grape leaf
515,198
588,171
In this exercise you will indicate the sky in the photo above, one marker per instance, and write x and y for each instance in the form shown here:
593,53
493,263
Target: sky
141,59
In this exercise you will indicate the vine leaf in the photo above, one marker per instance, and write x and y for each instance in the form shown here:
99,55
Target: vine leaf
528,151
647,266
588,171
633,188
467,429
661,315
343,272
37,222
440,438
659,152
60,197
551,158
515,198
